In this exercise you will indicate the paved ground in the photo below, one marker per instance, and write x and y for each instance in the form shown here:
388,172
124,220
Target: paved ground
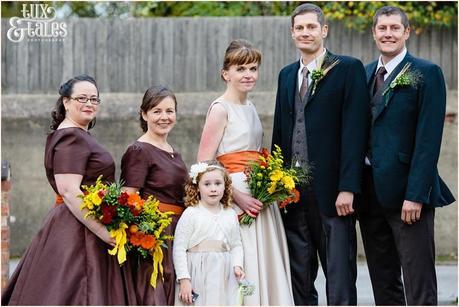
446,280
446,283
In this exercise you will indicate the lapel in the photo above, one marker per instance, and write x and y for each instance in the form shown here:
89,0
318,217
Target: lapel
328,60
292,88
382,105
371,70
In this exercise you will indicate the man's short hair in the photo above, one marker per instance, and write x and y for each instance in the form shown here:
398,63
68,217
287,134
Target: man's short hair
391,10
309,8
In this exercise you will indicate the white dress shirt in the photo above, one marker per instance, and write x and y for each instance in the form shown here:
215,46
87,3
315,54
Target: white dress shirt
390,66
310,66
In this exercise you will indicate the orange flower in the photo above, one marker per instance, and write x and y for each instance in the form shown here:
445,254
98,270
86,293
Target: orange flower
265,153
136,238
296,196
148,242
293,198
133,228
133,199
135,203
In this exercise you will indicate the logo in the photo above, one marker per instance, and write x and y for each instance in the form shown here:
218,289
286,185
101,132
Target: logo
38,24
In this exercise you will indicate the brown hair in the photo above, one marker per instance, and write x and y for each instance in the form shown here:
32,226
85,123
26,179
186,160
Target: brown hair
152,97
192,196
240,52
391,10
65,91
308,8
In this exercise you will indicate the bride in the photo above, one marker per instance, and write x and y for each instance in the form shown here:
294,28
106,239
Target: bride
233,135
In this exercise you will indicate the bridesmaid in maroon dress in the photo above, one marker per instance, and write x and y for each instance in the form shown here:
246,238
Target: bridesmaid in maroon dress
67,262
151,166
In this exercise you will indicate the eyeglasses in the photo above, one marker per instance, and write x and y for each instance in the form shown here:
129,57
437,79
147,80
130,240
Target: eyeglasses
82,99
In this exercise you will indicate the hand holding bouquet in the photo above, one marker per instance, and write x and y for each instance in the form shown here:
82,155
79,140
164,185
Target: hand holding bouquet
269,181
136,224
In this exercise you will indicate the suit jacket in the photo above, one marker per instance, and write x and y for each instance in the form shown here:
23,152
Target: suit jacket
406,132
336,120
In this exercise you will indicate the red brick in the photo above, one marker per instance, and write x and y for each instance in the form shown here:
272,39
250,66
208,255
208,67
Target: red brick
450,117
6,186
5,209
5,232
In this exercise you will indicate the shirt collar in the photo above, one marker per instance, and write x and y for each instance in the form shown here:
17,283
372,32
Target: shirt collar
390,66
313,64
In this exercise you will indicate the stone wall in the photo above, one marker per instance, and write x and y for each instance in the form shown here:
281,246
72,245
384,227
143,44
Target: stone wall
25,122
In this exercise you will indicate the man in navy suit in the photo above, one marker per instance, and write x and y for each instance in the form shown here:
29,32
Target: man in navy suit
321,119
401,182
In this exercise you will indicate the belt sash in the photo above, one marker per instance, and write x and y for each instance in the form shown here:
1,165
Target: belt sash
209,246
236,162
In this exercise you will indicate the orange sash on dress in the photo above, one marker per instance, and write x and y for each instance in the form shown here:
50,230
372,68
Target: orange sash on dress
236,162
178,210
59,200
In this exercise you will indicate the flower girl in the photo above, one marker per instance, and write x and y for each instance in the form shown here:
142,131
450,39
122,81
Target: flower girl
208,256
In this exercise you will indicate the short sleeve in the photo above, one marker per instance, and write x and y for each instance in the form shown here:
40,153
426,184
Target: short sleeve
71,154
134,167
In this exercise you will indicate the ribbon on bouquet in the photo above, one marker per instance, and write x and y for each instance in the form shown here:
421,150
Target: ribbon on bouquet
121,239
157,264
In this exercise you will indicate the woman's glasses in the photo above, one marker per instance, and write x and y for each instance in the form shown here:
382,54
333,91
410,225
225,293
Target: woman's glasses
83,99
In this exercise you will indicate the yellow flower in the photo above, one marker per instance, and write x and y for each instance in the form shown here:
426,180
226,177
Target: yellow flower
95,199
87,203
272,188
164,224
288,182
260,175
276,175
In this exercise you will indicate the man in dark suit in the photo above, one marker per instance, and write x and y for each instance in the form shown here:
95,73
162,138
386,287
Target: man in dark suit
321,118
401,182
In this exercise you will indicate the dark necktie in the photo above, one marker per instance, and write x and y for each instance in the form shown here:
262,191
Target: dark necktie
304,84
379,79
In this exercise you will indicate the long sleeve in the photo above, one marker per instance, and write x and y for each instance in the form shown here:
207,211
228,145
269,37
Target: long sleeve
429,130
354,128
182,237
277,136
237,254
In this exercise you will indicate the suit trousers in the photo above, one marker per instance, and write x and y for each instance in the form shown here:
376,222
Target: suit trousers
392,246
311,234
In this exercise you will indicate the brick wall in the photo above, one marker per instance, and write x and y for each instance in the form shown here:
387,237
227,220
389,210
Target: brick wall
5,236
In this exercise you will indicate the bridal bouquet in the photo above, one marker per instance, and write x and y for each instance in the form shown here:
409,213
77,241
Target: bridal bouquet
136,224
269,181
245,288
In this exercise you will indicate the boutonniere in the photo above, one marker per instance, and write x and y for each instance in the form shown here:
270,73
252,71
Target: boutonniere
320,72
405,77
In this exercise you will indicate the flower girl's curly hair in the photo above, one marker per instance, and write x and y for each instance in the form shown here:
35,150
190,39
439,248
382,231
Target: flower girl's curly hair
192,196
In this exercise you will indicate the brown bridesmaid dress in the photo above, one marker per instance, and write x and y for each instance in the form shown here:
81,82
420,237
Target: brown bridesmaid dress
161,174
66,264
